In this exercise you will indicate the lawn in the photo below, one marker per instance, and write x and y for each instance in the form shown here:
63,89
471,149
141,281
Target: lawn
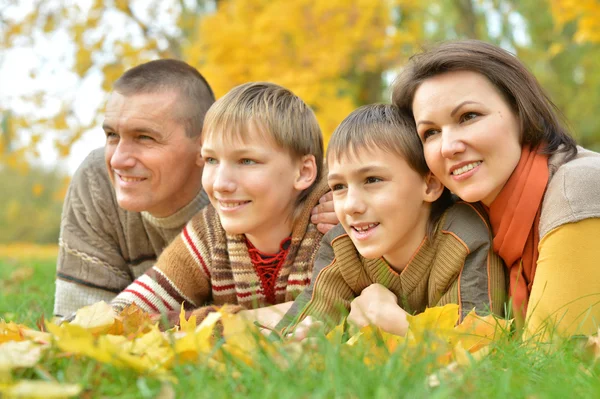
320,369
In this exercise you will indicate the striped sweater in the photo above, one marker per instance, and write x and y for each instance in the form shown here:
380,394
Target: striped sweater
457,266
205,268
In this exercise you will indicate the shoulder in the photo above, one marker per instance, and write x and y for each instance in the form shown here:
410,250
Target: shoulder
90,189
572,193
466,222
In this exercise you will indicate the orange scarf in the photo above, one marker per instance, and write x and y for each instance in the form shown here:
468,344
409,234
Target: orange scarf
515,219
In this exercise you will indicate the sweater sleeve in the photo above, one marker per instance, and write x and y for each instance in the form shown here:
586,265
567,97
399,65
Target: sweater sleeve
181,275
90,265
565,294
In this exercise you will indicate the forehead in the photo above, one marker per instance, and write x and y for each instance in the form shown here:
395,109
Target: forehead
451,87
249,136
136,110
355,161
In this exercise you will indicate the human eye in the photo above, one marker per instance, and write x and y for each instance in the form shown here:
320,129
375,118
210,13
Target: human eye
429,132
247,161
373,179
210,160
145,137
467,116
111,137
336,186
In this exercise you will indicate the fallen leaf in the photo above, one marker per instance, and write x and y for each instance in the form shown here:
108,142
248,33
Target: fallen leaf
41,389
97,318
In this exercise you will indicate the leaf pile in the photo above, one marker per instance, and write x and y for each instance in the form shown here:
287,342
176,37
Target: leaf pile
132,340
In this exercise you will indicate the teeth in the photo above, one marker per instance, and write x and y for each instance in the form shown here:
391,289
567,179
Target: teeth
465,168
231,204
365,228
131,179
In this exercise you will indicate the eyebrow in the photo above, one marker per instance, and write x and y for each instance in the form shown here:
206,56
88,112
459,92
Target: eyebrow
455,110
236,153
107,127
362,171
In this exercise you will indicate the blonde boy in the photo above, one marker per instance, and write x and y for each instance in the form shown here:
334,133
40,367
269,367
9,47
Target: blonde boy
254,245
400,239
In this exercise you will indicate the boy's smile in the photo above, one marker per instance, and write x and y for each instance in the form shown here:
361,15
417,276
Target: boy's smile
381,202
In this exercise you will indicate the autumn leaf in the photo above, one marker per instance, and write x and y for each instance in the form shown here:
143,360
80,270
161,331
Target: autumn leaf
96,318
186,325
476,332
438,321
40,389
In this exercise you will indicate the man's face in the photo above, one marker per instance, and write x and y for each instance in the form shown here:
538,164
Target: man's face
153,165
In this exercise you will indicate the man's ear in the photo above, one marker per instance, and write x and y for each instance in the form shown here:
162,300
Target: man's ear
433,188
307,172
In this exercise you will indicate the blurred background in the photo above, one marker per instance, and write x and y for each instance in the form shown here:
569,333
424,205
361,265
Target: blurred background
58,60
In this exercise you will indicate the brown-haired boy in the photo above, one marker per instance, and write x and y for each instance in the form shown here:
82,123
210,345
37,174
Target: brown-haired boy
400,239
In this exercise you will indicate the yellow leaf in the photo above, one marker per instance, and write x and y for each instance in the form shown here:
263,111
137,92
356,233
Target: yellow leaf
437,321
41,389
15,354
186,325
97,318
476,332
188,346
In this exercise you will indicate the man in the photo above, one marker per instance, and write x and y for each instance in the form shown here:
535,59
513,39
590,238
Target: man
126,203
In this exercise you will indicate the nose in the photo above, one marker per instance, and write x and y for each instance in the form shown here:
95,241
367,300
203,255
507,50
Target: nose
224,179
122,156
354,202
452,143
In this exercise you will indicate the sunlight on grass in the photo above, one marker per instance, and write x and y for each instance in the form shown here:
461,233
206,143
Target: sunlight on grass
23,250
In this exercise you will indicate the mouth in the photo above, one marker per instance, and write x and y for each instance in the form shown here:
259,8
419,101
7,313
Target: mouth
130,179
229,205
458,171
363,231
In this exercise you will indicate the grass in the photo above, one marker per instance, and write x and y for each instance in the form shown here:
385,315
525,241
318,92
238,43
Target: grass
322,371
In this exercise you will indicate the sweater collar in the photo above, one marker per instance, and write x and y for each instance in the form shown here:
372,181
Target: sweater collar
182,216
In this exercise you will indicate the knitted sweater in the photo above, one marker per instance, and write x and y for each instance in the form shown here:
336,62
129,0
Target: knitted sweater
457,266
566,286
204,268
103,247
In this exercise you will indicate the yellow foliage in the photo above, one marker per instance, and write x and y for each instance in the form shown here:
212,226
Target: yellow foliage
585,12
316,49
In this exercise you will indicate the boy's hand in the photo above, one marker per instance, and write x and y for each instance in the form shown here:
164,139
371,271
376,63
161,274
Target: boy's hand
378,306
323,215
306,328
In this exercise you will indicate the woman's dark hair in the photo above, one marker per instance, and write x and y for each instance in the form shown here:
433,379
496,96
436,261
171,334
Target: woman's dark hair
541,121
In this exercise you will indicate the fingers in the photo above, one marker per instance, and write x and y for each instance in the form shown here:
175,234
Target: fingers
306,328
325,227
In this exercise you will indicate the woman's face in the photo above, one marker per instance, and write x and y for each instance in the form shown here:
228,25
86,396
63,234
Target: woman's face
470,135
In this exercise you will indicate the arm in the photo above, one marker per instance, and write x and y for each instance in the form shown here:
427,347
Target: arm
180,275
566,288
90,265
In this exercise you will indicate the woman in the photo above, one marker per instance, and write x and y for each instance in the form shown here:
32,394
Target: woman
491,134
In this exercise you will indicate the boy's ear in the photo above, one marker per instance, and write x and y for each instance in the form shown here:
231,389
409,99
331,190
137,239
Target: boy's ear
433,188
307,172
198,144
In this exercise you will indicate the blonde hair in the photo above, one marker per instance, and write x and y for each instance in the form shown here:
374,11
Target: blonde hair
278,114
387,128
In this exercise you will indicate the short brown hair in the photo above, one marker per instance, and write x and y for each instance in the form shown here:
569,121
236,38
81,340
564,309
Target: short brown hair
196,96
386,127
541,121
277,112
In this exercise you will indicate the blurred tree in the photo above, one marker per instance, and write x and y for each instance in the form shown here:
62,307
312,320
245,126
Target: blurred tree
336,54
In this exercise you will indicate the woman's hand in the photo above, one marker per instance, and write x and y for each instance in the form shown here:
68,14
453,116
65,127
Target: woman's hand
378,306
323,215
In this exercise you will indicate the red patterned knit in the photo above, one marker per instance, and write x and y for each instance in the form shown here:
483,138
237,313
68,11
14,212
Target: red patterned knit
267,266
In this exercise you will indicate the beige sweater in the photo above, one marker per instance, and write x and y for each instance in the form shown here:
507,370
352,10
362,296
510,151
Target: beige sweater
103,247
